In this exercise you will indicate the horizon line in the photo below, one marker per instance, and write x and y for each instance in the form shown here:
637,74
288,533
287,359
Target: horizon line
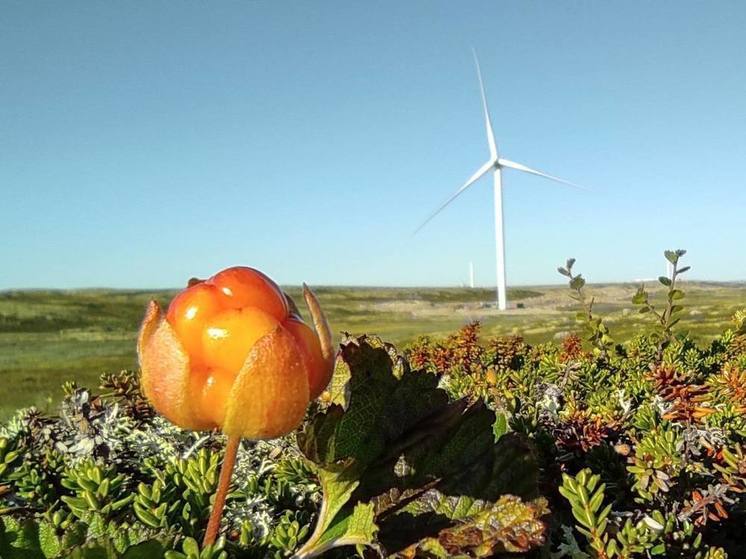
372,286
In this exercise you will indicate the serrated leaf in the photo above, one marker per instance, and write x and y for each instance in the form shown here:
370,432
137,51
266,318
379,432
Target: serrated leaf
390,436
49,542
19,539
508,526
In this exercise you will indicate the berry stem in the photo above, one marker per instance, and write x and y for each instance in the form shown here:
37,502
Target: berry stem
213,524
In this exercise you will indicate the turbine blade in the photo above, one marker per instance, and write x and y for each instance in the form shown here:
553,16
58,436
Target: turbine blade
519,167
474,178
487,121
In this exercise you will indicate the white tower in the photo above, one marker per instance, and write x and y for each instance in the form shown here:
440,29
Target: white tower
496,165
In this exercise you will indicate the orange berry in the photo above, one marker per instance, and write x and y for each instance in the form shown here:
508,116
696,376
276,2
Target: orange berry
229,336
241,287
319,370
187,314
211,393
228,354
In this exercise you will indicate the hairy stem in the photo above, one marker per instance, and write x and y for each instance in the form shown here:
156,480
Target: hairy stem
231,449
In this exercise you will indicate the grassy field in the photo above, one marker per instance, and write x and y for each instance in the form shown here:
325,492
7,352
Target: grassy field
47,337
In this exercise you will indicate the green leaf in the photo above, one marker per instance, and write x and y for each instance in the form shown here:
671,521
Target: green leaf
684,269
508,526
377,400
146,517
596,500
93,551
664,280
671,256
604,513
75,535
355,528
500,426
640,297
151,549
49,542
577,282
19,539
190,546
567,494
392,440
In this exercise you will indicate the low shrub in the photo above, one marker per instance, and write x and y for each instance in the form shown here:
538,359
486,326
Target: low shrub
641,445
468,446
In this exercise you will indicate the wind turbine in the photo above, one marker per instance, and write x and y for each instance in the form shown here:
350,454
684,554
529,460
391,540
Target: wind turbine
495,164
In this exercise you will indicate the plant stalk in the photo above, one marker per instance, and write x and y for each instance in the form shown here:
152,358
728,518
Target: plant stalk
229,461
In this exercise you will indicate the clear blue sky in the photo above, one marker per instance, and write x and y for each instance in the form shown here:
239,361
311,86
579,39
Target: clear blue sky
144,143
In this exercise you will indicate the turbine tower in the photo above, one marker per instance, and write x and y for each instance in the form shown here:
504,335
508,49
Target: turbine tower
495,164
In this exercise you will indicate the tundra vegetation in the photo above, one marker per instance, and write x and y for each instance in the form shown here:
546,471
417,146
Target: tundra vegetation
47,337
470,444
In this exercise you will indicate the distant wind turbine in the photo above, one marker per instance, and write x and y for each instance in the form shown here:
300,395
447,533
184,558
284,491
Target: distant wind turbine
495,164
